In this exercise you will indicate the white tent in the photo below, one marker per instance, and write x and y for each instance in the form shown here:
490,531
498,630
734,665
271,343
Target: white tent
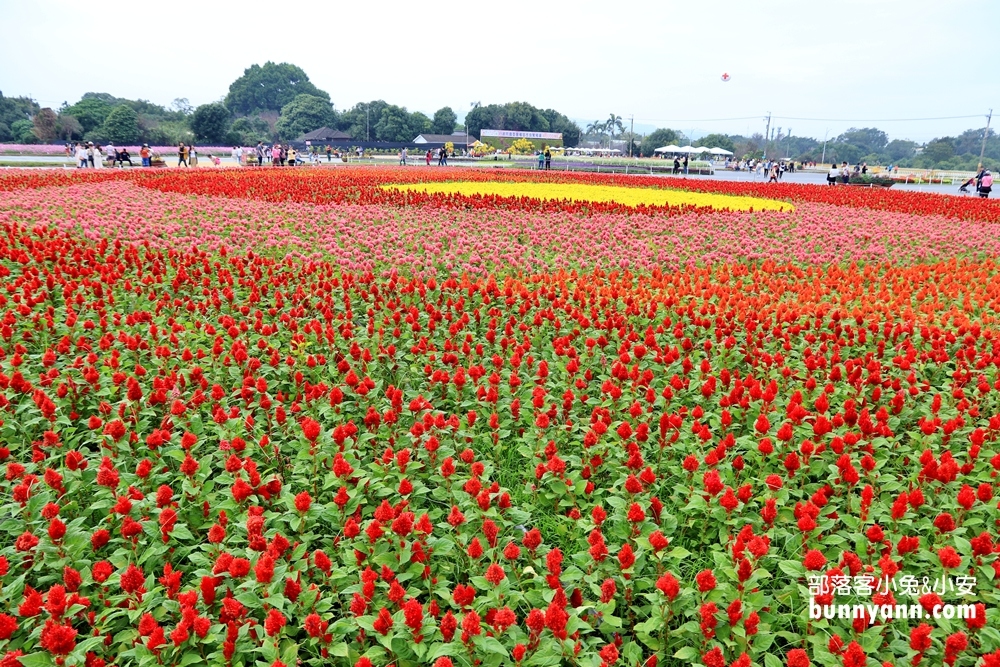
667,149
720,151
686,149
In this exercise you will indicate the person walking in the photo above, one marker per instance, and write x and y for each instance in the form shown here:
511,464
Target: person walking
845,173
260,153
329,152
677,165
90,154
193,156
291,156
98,156
773,173
145,154
548,159
427,158
109,151
685,165
182,154
986,184
833,174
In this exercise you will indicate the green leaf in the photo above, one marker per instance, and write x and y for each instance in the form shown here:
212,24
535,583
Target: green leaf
686,653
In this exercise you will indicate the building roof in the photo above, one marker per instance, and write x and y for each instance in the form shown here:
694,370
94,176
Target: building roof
455,138
324,134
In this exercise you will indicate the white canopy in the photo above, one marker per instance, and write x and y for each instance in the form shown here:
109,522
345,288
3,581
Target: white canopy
667,149
686,149
720,151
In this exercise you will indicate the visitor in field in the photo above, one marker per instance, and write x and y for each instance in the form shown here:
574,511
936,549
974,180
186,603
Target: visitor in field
986,185
427,158
99,156
773,173
90,153
833,174
329,152
291,156
182,154
109,152
145,154
548,159
845,173
685,164
260,153
123,157
193,156
677,165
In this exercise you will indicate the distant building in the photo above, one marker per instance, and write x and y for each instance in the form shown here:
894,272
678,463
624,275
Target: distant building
325,134
457,138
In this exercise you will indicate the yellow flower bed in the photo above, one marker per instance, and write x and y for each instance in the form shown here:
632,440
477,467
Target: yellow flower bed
598,193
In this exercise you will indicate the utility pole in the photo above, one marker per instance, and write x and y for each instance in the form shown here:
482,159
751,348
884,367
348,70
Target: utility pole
631,134
767,131
822,160
788,142
986,133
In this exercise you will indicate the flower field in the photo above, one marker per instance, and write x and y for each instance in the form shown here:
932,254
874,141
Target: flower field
286,417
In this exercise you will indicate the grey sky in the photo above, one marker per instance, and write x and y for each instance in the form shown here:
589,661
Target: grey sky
659,60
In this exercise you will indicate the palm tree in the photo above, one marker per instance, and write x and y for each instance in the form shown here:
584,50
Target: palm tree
611,124
596,128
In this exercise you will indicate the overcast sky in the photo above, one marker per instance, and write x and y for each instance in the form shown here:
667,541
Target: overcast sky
855,62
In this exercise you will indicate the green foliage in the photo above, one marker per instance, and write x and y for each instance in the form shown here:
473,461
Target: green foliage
660,137
717,141
90,112
46,125
121,125
359,121
210,122
394,125
420,124
23,132
868,139
899,149
249,130
269,87
521,116
444,121
938,150
304,114
13,109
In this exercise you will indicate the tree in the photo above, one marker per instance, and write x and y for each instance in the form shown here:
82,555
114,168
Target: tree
91,113
444,121
23,131
522,147
69,127
661,137
717,141
900,149
394,125
13,109
122,125
304,114
181,105
269,87
46,125
420,124
867,139
210,122
938,150
359,121
612,124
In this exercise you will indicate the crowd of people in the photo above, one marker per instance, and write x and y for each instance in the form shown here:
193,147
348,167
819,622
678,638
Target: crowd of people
89,155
